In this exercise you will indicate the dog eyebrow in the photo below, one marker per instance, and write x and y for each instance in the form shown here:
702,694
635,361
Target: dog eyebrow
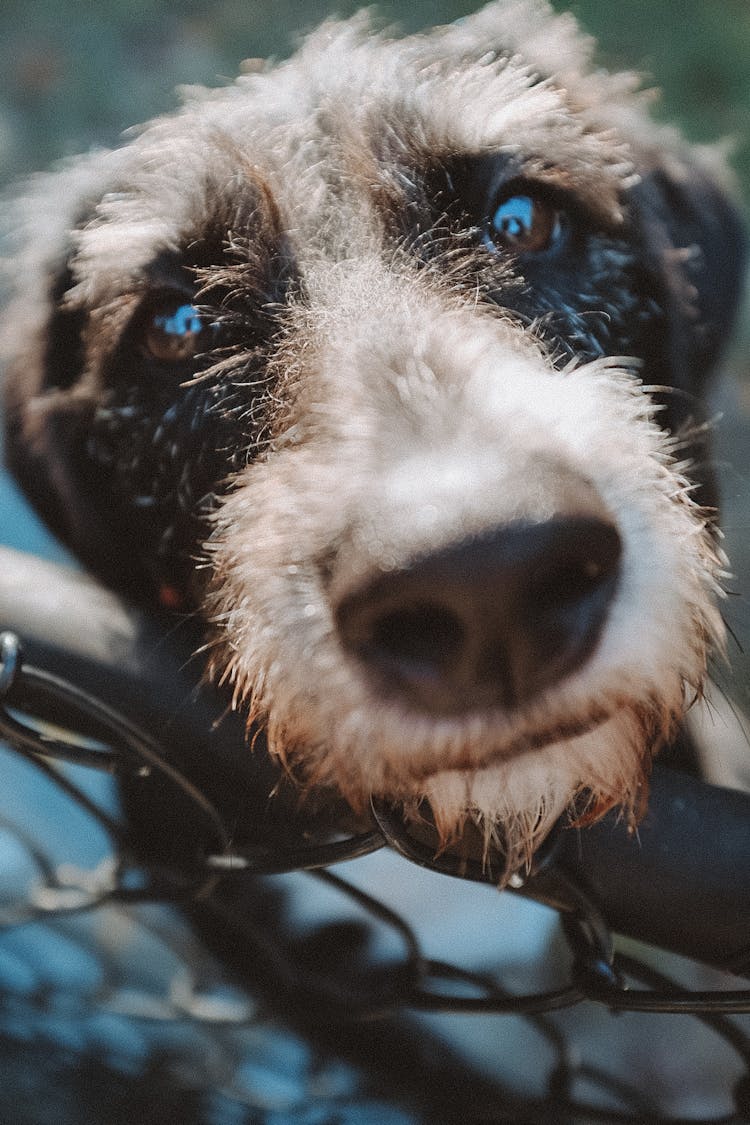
499,109
169,220
475,179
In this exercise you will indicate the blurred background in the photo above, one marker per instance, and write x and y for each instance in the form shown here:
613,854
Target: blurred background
74,73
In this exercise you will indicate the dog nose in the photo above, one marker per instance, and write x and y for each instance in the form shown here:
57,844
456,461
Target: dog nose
489,621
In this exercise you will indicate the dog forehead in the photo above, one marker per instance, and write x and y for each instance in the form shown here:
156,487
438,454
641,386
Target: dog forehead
357,64
489,83
317,131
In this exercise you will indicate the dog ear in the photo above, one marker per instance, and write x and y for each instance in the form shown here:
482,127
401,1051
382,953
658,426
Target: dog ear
691,242
47,410
48,395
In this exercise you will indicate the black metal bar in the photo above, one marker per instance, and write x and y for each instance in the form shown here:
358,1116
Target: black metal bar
683,880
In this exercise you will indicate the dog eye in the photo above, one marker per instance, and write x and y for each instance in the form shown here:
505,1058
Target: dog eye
525,224
175,332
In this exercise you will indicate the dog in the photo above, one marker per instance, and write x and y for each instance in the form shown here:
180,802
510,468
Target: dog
389,362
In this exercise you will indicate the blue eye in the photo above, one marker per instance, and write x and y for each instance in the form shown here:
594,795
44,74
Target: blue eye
176,332
524,224
184,321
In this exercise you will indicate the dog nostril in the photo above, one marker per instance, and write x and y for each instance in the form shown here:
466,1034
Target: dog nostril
427,639
490,621
576,567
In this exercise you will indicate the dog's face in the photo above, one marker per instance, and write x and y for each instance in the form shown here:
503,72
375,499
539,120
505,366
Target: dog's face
388,360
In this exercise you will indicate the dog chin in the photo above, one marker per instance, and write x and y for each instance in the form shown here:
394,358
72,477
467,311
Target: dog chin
524,790
510,778
507,803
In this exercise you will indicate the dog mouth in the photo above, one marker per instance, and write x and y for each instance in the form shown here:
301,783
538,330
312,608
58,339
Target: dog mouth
508,748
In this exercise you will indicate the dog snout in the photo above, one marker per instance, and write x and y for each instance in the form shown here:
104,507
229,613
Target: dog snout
489,621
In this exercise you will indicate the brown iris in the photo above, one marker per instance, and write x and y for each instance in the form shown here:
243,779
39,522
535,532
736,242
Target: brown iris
525,224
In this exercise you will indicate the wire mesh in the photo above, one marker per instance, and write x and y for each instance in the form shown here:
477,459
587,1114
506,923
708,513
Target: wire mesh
258,1023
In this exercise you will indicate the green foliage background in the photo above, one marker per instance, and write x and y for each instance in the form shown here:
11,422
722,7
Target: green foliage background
73,73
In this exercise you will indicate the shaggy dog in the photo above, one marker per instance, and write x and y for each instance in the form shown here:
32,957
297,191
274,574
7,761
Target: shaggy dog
388,362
